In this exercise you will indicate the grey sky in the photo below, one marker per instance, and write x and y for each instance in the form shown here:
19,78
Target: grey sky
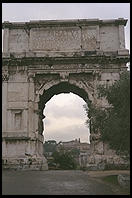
65,115
65,118
52,11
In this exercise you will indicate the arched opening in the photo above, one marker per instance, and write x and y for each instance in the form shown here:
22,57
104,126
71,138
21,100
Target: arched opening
65,119
80,143
63,87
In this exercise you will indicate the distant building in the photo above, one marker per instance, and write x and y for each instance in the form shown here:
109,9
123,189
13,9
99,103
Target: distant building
80,150
82,146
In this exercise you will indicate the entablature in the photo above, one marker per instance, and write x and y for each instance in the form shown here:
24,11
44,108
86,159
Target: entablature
97,59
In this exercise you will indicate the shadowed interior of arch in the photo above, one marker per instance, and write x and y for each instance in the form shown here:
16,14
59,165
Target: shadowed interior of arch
63,87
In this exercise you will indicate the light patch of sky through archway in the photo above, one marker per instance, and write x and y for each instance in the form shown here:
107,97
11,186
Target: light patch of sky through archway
65,118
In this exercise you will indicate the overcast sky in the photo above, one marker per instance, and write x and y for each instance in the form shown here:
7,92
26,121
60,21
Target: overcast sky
65,116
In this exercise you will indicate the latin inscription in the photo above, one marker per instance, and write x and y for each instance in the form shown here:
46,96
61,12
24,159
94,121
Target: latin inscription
58,39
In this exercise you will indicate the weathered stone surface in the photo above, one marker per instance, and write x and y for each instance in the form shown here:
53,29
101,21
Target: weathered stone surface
18,40
44,58
55,39
89,38
124,180
25,163
64,35
109,40
99,148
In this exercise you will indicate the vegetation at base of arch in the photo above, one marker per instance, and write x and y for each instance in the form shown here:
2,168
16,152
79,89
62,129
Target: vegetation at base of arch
60,159
113,122
64,160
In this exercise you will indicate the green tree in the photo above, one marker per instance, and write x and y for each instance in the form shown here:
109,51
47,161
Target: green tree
49,146
114,122
64,159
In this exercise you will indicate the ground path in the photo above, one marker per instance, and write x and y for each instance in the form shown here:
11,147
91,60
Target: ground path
58,182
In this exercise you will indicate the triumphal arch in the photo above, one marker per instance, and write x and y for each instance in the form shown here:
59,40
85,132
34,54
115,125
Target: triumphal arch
44,58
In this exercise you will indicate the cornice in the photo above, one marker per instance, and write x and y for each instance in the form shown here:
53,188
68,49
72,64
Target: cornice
62,23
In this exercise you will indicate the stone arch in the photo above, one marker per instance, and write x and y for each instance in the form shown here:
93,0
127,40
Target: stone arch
63,87
55,89
39,65
81,89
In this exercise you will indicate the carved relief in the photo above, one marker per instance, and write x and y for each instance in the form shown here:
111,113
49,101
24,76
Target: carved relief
42,79
85,79
5,76
64,76
65,66
53,67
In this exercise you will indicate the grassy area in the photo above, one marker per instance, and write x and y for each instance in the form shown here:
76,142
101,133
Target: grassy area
112,179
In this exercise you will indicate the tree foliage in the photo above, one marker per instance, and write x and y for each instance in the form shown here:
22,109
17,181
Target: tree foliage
64,160
49,147
114,122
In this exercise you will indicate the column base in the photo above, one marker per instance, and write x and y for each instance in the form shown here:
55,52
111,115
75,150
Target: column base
25,163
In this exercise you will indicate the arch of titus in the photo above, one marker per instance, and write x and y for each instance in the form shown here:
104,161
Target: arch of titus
44,58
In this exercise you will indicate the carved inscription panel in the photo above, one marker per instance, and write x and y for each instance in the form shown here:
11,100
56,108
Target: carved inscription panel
53,38
63,39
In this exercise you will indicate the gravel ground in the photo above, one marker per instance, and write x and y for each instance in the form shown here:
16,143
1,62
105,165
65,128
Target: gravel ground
56,182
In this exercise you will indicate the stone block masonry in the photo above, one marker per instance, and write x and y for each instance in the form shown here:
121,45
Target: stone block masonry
44,58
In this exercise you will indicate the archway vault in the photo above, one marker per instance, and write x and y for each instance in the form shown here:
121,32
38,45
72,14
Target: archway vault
47,85
55,88
62,87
